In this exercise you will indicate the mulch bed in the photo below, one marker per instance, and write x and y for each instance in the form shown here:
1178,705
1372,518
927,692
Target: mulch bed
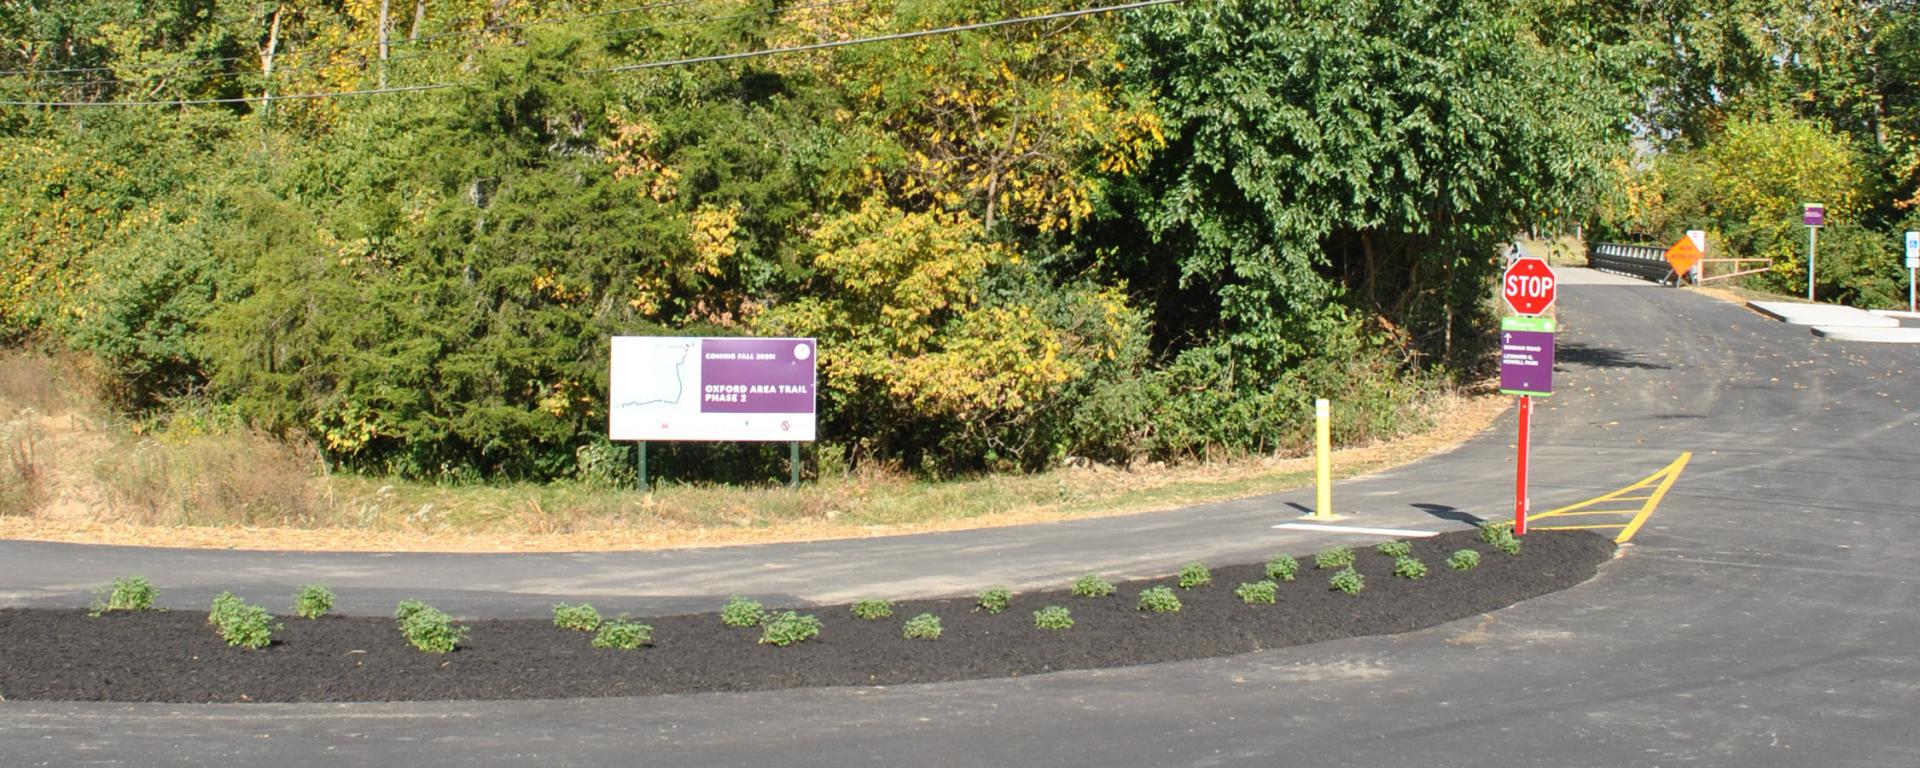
174,656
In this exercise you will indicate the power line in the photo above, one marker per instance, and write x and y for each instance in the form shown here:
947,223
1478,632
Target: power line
890,37
629,67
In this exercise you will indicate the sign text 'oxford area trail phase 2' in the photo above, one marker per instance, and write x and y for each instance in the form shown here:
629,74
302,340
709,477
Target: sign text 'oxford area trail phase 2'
685,388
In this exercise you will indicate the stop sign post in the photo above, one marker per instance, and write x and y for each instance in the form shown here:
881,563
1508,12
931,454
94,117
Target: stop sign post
1529,287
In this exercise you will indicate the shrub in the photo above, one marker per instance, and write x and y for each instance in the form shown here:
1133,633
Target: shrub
1053,617
995,600
313,601
133,593
427,628
581,617
1258,592
872,609
623,635
925,626
1336,557
1159,600
1409,567
1463,560
1509,545
1195,574
225,604
1282,568
1492,531
1092,586
1348,581
1396,548
245,626
789,628
741,612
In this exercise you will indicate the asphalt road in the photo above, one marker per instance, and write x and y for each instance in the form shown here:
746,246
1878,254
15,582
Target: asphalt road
1764,616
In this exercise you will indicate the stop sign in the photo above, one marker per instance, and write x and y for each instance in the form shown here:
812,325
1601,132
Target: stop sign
1528,286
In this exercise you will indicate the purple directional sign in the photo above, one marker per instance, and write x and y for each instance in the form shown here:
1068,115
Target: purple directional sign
1813,214
1526,356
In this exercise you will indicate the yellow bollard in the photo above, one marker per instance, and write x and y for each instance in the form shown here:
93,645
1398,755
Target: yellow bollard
1323,461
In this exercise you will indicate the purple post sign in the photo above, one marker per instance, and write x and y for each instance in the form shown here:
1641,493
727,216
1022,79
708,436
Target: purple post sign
756,376
1813,214
1526,356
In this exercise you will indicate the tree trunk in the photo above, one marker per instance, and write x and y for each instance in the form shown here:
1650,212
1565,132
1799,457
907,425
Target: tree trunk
384,25
419,18
266,61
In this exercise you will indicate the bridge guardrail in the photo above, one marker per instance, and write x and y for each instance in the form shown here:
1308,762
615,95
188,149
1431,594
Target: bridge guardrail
1643,261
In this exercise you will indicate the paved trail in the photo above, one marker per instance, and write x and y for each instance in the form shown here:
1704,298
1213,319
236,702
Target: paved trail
1764,615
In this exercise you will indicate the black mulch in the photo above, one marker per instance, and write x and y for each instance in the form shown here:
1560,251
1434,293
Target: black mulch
174,656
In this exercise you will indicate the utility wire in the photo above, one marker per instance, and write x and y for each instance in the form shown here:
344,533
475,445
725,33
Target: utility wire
628,67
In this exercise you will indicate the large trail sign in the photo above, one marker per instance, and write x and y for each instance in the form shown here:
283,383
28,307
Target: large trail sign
711,389
1526,357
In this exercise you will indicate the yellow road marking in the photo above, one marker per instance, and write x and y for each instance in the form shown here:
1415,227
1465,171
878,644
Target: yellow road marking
1659,481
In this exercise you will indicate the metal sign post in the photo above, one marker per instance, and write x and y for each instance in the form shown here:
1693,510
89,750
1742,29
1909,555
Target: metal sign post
1814,215
1526,358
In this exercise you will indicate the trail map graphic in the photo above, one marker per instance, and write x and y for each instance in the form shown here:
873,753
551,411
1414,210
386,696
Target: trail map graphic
665,390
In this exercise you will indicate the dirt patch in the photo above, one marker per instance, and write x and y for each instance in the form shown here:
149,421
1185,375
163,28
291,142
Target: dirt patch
176,657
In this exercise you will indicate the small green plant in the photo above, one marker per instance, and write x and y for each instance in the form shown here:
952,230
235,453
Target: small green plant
995,600
1509,545
872,609
1195,574
1348,580
243,625
1257,592
623,635
1282,568
1463,560
1336,557
1091,585
1492,531
1159,600
789,628
407,609
313,601
581,617
133,593
741,612
427,628
225,605
1409,567
1395,548
1053,617
925,626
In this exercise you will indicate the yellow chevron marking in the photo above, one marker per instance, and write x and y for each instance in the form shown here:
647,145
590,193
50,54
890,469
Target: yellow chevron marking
1659,482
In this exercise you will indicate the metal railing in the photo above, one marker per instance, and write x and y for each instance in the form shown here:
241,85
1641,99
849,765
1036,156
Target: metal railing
1643,261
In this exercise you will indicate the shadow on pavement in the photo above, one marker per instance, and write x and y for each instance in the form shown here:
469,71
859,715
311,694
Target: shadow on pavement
1600,357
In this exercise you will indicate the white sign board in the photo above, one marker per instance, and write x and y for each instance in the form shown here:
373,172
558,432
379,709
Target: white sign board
1913,250
712,389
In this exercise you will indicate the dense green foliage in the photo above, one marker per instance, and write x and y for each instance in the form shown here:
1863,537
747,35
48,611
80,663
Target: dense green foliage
1150,234
623,635
131,593
1055,617
789,628
312,601
1755,107
925,626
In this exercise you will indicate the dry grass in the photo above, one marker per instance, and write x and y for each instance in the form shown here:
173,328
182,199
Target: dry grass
248,491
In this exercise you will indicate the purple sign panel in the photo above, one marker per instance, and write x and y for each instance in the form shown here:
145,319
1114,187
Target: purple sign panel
1813,214
1526,362
756,376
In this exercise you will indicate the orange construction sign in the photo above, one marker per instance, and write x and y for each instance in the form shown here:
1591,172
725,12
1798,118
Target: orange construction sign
1683,255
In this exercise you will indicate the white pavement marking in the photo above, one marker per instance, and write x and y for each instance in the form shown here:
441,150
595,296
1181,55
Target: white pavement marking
1830,315
1356,529
1882,335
